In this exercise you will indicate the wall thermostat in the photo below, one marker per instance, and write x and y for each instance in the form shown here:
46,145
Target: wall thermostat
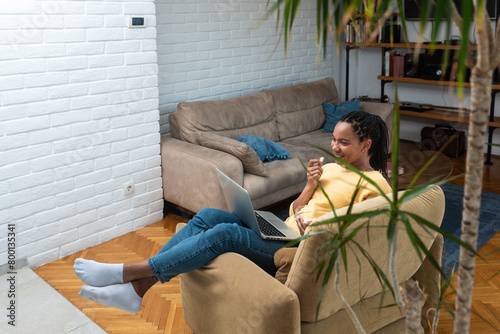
137,22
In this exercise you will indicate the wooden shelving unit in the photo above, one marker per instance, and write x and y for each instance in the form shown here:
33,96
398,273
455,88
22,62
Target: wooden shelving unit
409,46
429,82
452,116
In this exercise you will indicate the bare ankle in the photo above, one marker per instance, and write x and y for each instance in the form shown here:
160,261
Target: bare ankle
141,286
136,271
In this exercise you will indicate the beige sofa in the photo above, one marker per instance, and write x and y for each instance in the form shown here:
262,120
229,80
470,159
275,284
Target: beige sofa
233,295
202,136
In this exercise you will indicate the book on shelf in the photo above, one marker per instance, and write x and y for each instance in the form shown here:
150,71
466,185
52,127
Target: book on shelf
394,64
391,64
355,31
399,66
387,63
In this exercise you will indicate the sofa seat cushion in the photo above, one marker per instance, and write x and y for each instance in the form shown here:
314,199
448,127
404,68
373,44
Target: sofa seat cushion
252,114
283,174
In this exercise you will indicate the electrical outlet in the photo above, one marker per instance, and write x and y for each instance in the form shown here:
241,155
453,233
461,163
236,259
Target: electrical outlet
128,188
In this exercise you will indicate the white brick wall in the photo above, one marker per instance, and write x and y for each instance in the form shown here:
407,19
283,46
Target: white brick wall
78,118
214,49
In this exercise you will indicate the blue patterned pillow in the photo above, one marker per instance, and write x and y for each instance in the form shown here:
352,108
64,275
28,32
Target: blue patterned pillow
334,112
266,149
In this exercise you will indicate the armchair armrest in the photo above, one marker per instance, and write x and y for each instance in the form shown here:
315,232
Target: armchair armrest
240,297
189,178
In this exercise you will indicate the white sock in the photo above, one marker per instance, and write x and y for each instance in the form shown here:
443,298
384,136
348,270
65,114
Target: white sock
98,274
121,296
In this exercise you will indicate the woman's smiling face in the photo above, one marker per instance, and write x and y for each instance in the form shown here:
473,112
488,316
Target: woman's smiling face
346,145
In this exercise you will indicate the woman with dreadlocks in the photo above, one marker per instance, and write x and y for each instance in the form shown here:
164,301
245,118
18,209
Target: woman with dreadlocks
360,139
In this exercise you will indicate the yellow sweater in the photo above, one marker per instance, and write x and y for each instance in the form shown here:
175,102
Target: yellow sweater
340,188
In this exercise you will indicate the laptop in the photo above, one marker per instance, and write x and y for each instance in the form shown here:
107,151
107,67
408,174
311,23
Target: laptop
264,223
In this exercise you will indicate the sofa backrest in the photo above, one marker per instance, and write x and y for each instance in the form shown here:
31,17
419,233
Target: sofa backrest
360,281
274,114
252,114
299,108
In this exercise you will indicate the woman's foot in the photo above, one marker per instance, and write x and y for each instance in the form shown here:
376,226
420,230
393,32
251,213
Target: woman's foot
98,274
121,296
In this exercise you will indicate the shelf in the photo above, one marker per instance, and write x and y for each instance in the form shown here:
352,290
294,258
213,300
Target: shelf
430,82
407,46
452,116
438,114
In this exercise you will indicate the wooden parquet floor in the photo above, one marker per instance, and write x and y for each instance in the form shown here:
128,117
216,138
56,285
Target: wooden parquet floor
486,293
161,310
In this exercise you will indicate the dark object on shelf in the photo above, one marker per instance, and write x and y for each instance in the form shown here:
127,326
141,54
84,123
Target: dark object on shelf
432,66
386,33
366,98
433,139
412,106
413,65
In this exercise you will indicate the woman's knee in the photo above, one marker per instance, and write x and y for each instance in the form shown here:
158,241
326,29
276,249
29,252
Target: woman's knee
211,217
206,212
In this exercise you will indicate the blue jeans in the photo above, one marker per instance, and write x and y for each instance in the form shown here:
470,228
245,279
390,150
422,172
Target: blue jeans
209,234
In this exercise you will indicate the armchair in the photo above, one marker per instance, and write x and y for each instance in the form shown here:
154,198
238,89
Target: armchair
233,295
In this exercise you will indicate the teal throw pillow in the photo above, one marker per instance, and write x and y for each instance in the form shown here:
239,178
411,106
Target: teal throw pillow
266,149
334,112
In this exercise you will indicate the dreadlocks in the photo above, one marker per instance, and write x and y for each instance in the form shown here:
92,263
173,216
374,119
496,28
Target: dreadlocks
369,126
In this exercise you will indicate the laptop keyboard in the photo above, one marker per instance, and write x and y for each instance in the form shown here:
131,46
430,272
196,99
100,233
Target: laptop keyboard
267,228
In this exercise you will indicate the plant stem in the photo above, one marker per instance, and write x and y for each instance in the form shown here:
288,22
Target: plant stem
435,321
392,267
348,308
414,299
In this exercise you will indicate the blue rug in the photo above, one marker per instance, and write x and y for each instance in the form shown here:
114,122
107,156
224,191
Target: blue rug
489,220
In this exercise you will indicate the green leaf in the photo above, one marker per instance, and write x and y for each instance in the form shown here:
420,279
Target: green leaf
419,245
443,232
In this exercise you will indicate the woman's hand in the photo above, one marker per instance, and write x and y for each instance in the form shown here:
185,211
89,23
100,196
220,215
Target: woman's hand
302,224
314,172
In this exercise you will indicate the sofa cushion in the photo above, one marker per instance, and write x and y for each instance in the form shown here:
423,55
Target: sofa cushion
253,114
334,113
249,158
266,149
283,175
299,107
